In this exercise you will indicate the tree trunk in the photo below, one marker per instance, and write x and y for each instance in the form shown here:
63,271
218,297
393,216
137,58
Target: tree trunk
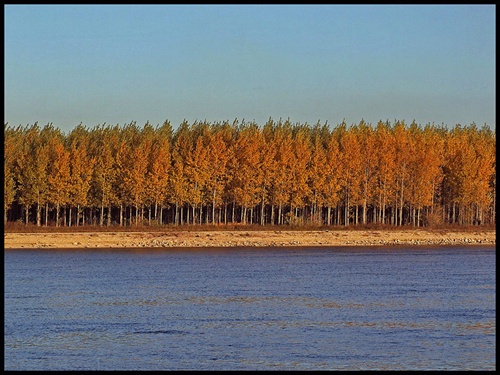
77,214
244,215
38,214
121,214
384,200
418,215
365,198
213,207
346,218
262,216
401,203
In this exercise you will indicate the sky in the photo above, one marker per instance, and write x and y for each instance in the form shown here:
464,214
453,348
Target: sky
114,64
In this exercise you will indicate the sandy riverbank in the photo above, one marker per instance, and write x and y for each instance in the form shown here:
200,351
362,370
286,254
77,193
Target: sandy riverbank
265,238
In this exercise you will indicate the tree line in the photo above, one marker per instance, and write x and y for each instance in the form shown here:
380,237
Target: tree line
281,173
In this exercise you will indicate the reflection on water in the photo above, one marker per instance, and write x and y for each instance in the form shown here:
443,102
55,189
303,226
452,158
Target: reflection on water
251,309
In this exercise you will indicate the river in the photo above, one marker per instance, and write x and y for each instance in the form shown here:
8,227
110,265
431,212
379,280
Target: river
316,308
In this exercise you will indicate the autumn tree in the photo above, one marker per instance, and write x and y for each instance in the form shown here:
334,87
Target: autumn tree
424,170
81,165
159,168
316,172
104,140
59,176
132,160
300,192
245,181
32,170
178,183
385,167
279,173
197,174
404,151
267,170
281,186
469,166
368,156
218,155
12,139
350,151
333,171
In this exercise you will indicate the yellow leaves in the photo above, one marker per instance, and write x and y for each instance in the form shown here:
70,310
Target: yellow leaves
359,167
300,189
32,162
159,170
59,174
246,177
218,159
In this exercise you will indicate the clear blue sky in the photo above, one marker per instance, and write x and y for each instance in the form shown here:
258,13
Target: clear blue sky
92,64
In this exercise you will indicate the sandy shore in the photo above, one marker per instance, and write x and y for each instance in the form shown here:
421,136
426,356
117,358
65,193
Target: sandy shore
264,238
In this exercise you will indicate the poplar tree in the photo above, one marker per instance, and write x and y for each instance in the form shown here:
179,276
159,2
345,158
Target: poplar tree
385,167
218,156
404,153
246,176
103,145
300,192
267,169
350,151
317,175
32,171
159,168
81,173
334,170
281,187
11,148
178,182
389,174
59,177
366,138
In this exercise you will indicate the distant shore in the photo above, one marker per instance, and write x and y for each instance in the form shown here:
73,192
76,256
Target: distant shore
251,238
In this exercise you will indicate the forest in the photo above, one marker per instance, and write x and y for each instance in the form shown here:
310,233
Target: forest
280,173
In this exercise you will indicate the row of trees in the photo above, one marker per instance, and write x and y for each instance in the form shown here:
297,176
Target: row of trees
278,173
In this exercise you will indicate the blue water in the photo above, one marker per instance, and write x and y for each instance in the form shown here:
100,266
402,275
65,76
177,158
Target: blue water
416,308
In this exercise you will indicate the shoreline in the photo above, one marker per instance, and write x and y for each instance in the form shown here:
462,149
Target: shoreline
233,238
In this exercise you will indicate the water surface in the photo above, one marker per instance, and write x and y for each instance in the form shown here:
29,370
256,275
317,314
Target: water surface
352,308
